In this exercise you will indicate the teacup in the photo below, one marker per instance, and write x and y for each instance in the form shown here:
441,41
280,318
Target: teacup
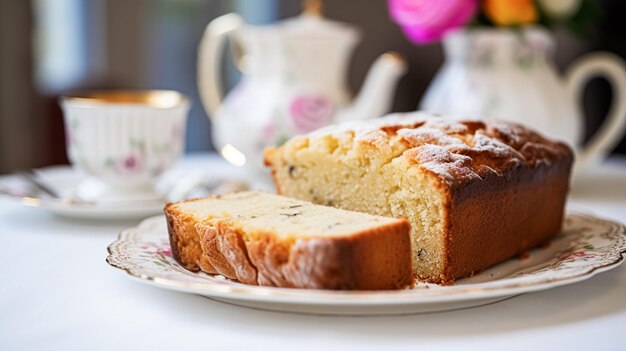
123,139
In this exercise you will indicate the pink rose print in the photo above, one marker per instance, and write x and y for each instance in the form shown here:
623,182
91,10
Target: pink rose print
309,112
132,163
577,254
164,251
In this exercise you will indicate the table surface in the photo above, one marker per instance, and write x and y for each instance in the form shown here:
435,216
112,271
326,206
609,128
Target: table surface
57,293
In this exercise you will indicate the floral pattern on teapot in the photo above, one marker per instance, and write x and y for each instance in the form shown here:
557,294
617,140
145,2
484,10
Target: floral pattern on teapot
310,112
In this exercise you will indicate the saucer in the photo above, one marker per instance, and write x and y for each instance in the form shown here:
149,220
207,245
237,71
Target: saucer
67,181
94,190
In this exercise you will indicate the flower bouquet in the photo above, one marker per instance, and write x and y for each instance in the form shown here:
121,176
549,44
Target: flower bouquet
426,21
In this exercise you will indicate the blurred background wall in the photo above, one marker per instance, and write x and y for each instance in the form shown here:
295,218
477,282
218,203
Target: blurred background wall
48,47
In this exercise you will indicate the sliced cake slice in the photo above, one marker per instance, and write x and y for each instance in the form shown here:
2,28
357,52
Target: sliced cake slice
267,239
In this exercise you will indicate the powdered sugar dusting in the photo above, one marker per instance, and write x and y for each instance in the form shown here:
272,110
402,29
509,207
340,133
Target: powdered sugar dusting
494,147
456,150
361,129
439,160
426,135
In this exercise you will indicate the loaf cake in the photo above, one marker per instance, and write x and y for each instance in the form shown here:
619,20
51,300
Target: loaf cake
272,240
475,193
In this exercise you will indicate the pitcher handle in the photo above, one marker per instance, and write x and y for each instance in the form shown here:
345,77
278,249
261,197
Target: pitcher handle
210,60
612,68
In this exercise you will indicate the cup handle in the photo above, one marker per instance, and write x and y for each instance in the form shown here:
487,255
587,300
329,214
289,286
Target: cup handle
612,68
210,60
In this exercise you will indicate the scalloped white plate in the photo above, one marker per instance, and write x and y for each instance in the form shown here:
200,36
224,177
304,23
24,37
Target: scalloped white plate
586,246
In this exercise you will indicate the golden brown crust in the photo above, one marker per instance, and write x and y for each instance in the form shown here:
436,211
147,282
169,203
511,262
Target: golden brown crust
183,238
466,151
267,161
370,260
502,216
223,250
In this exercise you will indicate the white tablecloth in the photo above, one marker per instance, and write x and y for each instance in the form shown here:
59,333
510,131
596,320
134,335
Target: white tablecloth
57,293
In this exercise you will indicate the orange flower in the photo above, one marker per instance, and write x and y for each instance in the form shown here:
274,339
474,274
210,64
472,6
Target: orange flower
510,12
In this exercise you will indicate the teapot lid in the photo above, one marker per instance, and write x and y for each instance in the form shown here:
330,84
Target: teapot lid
312,25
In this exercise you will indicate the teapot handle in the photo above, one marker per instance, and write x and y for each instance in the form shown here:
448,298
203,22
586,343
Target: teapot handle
210,60
612,68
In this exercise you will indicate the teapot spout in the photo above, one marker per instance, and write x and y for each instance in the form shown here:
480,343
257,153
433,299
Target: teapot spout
377,92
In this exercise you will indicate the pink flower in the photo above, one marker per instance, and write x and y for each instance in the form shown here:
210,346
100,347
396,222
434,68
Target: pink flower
164,251
577,254
309,112
425,21
131,163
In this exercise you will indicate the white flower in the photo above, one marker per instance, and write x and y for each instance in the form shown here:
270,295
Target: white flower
560,9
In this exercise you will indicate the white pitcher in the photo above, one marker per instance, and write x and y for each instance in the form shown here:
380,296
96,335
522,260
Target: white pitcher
293,81
505,74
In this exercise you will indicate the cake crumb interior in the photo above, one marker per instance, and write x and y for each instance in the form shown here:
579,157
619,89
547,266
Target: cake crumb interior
341,171
282,216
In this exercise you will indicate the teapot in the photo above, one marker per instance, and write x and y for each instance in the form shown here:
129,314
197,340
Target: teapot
293,81
509,75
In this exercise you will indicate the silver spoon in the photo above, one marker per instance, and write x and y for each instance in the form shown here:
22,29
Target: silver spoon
31,177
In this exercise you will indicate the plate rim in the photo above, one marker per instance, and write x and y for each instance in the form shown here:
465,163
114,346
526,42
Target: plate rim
362,298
